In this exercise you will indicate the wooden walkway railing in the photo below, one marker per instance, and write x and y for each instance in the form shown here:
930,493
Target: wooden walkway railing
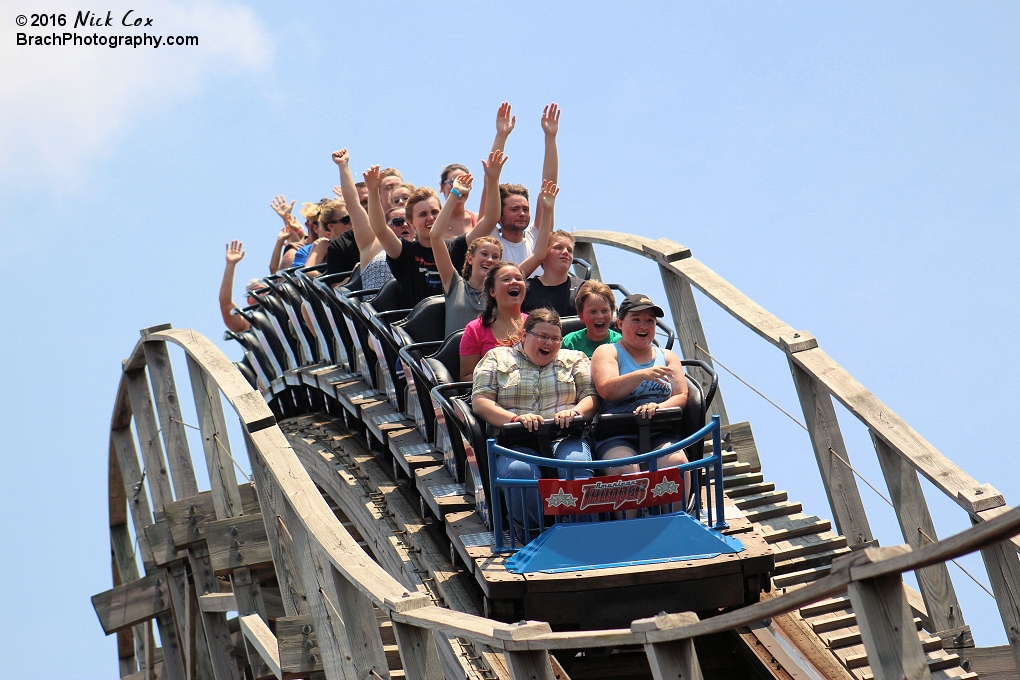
324,574
902,452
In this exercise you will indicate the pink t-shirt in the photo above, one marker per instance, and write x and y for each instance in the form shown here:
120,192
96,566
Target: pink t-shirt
478,339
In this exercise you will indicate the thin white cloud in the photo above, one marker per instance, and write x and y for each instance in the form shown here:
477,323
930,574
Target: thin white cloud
62,106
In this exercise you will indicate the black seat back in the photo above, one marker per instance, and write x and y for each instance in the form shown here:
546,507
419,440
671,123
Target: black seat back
419,403
569,324
425,323
445,363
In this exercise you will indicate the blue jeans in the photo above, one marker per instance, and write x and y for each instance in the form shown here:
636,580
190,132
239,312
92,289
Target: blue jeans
571,448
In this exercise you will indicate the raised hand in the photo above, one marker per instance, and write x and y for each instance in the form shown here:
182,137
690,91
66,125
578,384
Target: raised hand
505,121
235,252
551,119
341,156
547,197
494,166
463,184
373,178
279,204
338,191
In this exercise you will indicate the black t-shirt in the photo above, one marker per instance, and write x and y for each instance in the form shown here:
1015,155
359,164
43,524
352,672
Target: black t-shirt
416,273
343,253
561,297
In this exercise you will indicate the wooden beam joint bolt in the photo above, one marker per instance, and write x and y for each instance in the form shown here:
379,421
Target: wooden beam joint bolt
797,342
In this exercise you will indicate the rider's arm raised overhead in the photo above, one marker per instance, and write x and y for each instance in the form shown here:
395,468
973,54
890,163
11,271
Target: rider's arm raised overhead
444,263
505,122
363,234
545,220
391,243
489,215
235,252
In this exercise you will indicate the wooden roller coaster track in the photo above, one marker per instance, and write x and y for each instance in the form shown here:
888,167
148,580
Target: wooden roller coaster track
333,571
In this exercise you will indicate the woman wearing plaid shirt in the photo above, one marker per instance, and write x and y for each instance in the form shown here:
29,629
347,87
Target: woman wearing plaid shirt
528,382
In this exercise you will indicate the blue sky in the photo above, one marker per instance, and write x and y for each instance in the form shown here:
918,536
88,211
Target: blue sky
852,167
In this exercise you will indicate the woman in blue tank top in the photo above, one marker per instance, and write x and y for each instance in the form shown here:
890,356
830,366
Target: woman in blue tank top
635,376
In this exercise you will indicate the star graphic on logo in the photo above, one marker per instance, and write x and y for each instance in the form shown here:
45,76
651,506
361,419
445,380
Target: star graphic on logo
665,488
565,499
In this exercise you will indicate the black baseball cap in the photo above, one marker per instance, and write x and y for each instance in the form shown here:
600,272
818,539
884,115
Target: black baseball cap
639,303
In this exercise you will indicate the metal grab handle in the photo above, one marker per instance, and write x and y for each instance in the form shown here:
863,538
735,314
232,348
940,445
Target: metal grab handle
713,386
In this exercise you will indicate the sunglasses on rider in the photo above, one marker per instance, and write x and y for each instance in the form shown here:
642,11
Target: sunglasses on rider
345,220
397,222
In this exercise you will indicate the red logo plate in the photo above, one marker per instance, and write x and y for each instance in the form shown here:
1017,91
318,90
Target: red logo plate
615,492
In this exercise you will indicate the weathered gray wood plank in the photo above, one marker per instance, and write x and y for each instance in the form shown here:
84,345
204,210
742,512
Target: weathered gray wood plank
837,477
1003,567
137,502
262,639
886,624
133,602
222,480
214,624
273,508
690,332
418,655
171,421
937,591
155,470
361,626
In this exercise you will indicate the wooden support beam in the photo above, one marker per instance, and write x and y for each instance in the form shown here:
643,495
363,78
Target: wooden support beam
163,549
299,647
273,508
419,656
689,331
248,601
222,478
238,542
257,633
529,664
315,571
827,442
217,602
522,662
362,627
187,518
1003,567
183,618
122,445
171,421
133,602
173,652
940,602
217,636
156,476
960,487
886,622
674,659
